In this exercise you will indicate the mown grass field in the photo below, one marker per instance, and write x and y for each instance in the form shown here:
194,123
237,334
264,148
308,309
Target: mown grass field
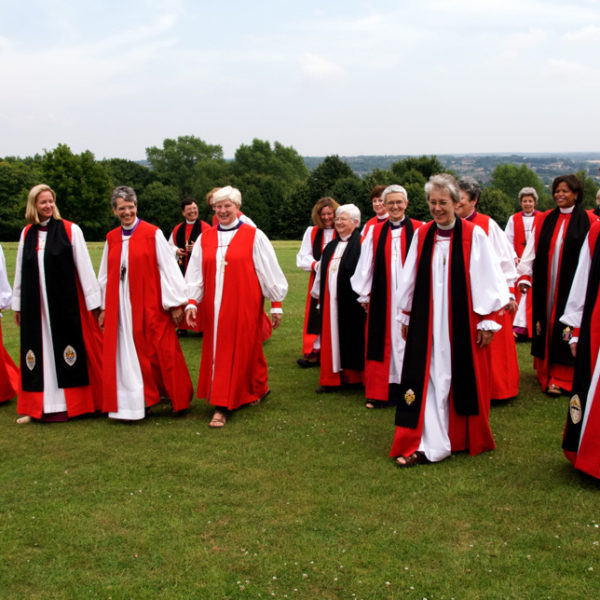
295,498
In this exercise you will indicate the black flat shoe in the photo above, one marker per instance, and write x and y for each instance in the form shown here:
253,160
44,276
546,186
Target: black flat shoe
307,364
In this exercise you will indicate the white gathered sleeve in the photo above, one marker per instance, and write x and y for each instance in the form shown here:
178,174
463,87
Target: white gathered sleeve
505,252
194,280
172,283
85,270
509,230
5,289
16,296
305,258
315,291
362,279
103,276
525,266
173,245
576,300
489,291
406,277
246,219
272,281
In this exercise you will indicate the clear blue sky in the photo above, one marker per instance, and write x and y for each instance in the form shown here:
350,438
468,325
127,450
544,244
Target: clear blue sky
342,77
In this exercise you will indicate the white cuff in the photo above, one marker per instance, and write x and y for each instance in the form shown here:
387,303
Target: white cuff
488,325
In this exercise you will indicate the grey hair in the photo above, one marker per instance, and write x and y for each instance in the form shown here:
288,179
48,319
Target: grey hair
227,193
528,191
125,192
394,189
444,182
351,210
471,186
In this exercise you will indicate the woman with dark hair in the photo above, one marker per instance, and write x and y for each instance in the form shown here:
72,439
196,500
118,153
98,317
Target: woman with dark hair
313,243
54,295
547,266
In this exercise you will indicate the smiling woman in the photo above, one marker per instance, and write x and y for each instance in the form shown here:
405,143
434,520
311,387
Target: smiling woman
313,243
55,289
547,266
231,259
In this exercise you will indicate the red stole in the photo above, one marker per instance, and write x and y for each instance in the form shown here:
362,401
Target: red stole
240,367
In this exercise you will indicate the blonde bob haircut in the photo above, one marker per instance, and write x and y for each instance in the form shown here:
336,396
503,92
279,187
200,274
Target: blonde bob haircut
319,206
31,213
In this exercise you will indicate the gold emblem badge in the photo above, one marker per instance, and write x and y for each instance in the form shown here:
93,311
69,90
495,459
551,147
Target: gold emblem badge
409,397
30,360
538,328
567,334
70,356
575,409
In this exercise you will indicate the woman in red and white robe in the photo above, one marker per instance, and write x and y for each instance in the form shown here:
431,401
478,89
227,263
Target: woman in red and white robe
313,243
451,287
232,269
518,229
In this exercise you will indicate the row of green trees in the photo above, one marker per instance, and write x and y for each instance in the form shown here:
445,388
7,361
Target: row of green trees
278,190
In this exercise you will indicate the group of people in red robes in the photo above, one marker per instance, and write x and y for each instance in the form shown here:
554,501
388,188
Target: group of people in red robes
420,314
437,339
109,344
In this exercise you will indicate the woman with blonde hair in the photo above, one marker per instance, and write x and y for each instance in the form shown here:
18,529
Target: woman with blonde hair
54,294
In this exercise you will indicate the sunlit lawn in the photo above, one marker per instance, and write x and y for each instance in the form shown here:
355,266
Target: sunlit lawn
295,498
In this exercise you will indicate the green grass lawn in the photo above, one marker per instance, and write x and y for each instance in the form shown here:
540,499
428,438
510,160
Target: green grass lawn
294,498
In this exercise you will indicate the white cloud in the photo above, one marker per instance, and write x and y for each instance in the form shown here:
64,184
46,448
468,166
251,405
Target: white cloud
590,34
557,68
316,67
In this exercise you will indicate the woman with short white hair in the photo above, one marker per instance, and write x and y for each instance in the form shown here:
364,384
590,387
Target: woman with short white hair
342,317
233,268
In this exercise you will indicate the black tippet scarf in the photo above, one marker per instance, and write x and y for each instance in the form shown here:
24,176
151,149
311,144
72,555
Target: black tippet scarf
583,364
579,225
351,315
378,309
313,325
70,357
180,241
409,393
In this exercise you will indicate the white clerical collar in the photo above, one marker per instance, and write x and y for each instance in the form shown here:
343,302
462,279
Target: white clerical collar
528,214
567,211
231,226
345,239
129,227
447,227
44,223
397,224
189,222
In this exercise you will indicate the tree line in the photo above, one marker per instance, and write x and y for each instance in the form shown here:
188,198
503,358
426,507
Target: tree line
278,190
